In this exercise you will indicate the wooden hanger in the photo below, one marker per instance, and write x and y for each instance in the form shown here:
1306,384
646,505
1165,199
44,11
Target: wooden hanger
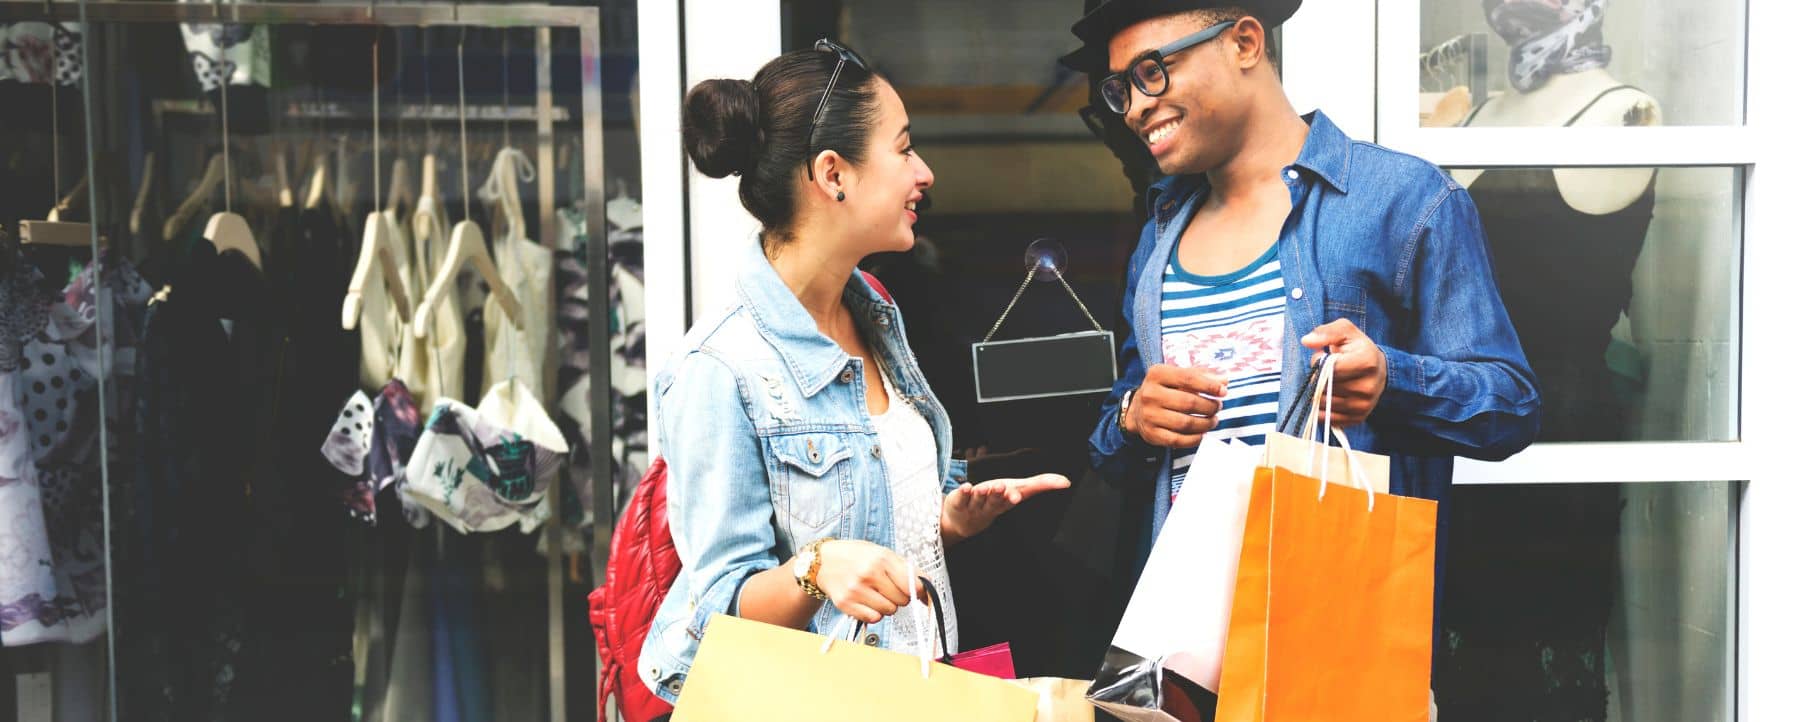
400,186
74,201
467,245
379,246
227,230
56,233
53,231
315,191
284,189
198,200
230,232
141,205
379,242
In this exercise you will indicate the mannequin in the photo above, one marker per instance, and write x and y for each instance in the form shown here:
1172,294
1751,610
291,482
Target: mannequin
1596,191
1585,95
1529,616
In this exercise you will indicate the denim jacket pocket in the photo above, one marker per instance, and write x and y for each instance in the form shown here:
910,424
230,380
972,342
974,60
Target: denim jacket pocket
811,479
1346,301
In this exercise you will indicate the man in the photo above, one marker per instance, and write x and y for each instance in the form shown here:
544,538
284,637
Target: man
1273,237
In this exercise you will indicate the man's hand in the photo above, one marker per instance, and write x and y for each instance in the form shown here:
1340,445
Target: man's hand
1361,371
971,509
1172,409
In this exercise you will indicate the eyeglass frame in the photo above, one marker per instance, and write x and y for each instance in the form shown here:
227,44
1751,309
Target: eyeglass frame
845,55
1158,56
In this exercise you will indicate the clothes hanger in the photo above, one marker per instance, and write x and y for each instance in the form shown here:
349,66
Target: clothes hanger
510,165
53,231
227,230
400,187
284,190
196,201
378,242
74,201
467,245
141,205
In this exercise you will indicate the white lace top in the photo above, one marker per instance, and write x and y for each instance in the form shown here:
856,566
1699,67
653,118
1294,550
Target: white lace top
909,451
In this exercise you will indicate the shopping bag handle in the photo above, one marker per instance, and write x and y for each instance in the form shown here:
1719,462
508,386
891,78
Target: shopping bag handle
856,626
1291,421
1320,427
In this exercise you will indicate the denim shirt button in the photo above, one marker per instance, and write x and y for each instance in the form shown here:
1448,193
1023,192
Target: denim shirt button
876,451
846,376
1298,294
1293,175
873,640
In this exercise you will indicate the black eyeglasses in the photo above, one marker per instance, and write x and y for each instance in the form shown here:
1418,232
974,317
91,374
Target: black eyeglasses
845,55
1149,73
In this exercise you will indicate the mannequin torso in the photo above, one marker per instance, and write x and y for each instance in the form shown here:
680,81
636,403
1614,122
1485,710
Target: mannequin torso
1561,102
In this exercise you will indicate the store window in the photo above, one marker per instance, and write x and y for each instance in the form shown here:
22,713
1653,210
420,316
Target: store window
315,438
1623,286
1590,602
1601,63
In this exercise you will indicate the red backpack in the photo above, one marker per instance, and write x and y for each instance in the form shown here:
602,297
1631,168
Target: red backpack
639,572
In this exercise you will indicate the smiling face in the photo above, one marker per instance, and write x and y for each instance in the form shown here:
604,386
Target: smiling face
883,195
1198,122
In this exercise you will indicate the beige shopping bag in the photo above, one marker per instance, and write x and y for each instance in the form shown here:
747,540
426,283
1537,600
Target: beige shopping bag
753,672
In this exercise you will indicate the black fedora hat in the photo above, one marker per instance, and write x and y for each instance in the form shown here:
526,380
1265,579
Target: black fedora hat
1098,27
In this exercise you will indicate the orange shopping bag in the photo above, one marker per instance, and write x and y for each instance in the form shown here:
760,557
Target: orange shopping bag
1331,618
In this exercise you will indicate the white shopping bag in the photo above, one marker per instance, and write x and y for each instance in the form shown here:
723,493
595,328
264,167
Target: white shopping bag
1181,609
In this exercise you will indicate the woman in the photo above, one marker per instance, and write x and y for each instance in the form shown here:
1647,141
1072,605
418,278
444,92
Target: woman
809,473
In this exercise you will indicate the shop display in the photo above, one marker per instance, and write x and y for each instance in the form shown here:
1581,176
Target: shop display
227,339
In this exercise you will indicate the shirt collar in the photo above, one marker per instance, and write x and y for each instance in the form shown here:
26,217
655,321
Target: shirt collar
1326,154
812,357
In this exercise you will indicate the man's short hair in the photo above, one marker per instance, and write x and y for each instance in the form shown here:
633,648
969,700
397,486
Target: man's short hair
1207,17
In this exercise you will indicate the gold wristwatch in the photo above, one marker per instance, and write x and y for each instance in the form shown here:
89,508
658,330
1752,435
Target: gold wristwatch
806,569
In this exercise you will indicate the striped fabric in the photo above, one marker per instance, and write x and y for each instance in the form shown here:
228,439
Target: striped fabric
1231,325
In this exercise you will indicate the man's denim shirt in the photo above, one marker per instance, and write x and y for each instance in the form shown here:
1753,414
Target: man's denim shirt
765,426
1389,242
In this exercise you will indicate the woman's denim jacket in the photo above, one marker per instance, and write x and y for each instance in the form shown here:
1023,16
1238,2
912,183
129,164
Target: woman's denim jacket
765,427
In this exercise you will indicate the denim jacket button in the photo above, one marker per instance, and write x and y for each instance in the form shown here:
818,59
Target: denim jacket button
876,451
883,320
1293,175
1298,294
873,640
675,687
845,377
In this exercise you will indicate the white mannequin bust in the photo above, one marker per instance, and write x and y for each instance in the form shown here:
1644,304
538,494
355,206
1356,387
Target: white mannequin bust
1596,191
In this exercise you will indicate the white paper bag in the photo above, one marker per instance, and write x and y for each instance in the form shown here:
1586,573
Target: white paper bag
1181,608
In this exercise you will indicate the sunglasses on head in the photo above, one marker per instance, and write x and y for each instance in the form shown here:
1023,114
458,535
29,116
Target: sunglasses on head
844,55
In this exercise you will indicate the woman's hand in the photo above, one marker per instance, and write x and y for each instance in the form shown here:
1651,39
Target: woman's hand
969,510
865,581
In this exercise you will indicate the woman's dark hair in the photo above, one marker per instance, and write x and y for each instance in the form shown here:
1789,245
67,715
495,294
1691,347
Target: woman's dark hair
758,129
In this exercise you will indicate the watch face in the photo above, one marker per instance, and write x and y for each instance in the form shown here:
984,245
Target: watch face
803,564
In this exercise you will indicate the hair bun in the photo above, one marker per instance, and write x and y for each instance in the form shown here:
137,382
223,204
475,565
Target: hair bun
719,127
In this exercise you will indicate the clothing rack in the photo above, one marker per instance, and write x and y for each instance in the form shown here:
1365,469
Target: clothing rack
542,17
435,112
1470,52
